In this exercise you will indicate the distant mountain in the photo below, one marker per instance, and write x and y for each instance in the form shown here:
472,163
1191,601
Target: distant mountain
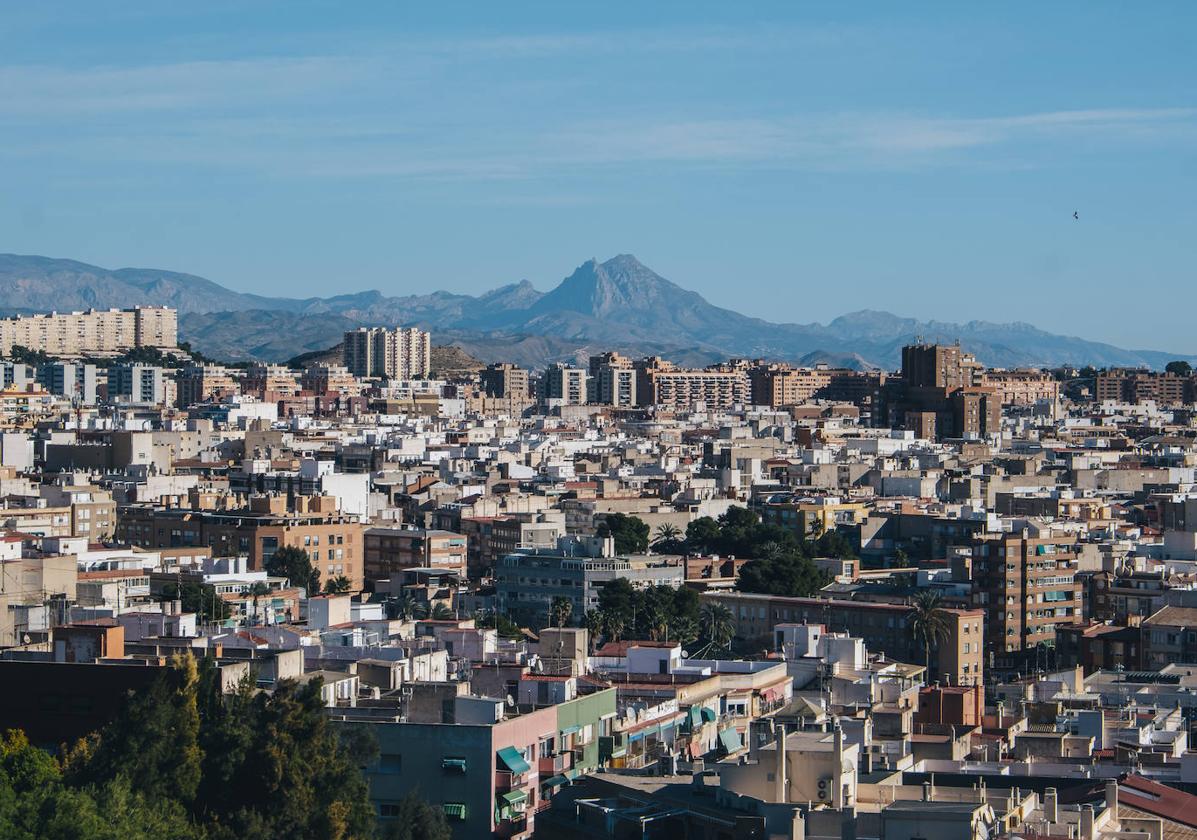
619,304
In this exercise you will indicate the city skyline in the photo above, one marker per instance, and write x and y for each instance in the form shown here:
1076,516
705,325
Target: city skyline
793,153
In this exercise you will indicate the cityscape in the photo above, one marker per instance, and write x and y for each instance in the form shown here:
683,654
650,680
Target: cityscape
385,551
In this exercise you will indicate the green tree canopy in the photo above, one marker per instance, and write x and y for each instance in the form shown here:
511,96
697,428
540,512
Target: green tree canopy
630,532
1179,367
295,565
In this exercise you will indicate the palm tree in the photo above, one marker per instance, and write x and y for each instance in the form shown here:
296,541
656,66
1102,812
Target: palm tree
405,606
684,630
718,626
560,610
441,612
339,585
658,623
593,621
257,591
928,622
668,538
613,626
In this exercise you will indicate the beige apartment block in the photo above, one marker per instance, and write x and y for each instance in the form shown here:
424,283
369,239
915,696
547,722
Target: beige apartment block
66,334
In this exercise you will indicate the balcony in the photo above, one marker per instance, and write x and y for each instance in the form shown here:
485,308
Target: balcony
553,765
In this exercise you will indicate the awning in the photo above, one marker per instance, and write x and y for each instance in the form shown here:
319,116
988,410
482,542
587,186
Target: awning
514,798
513,761
708,715
730,740
555,781
458,764
570,730
695,716
455,810
572,774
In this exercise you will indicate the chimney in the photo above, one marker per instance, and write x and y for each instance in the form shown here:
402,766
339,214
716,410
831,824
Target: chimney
1086,822
926,791
1112,798
781,789
1051,811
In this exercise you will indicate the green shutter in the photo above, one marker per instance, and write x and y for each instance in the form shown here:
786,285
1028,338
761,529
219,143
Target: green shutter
455,810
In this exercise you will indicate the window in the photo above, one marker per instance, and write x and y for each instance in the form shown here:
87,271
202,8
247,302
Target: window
390,763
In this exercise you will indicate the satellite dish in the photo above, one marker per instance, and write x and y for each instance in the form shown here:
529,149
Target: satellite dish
685,654
510,701
26,638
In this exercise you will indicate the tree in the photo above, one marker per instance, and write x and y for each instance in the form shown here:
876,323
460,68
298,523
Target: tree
155,742
630,532
417,820
928,622
201,599
442,612
613,626
593,622
702,535
791,575
1179,367
295,565
667,539
404,606
560,610
339,585
717,627
256,592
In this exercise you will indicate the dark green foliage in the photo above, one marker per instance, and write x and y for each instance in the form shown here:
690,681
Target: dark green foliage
780,563
200,599
37,804
242,766
630,533
1180,368
25,356
339,585
506,627
417,820
658,612
295,565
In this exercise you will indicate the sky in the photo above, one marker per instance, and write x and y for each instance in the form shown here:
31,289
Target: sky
793,161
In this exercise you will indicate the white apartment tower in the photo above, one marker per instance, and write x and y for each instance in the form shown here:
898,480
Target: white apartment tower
403,353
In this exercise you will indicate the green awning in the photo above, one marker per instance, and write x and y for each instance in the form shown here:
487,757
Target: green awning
555,781
513,761
570,730
458,764
695,715
730,739
514,798
572,774
455,810
619,752
708,715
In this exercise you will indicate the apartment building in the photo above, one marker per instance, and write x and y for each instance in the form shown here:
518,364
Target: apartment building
333,541
885,628
329,379
1127,385
72,334
391,550
504,381
270,383
1027,585
73,381
564,385
402,353
205,383
612,380
1022,387
137,384
660,382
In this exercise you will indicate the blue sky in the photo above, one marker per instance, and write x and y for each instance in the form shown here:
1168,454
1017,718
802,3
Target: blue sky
793,161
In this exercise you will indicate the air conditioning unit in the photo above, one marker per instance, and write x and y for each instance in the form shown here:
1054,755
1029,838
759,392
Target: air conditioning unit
824,789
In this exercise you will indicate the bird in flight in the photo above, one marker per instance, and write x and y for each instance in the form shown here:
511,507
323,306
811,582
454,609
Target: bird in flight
1075,214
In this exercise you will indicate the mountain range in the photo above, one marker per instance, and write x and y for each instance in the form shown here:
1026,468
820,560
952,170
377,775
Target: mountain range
619,304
